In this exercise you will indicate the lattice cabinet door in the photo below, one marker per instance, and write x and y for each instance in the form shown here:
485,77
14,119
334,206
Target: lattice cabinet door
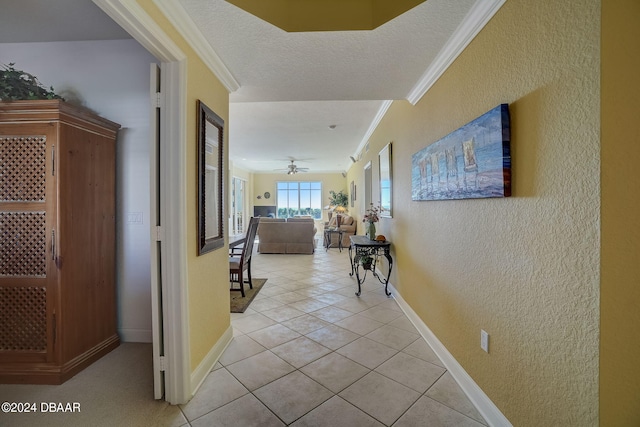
57,246
27,243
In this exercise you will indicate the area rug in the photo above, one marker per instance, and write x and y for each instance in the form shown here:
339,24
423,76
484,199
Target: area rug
240,304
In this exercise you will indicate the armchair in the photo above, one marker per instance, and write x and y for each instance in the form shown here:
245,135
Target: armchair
348,226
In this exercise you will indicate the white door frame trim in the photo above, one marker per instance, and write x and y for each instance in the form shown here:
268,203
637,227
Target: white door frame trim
130,16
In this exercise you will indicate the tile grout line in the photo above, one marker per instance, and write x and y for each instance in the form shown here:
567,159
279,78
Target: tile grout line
302,286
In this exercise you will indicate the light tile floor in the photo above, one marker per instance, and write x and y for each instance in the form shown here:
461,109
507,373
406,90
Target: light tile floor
308,352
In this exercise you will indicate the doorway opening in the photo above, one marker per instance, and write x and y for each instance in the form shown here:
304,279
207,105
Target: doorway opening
238,203
367,185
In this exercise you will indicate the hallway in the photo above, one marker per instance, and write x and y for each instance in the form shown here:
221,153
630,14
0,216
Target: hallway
308,352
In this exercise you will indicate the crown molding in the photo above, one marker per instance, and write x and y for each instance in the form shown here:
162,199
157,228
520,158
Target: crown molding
374,124
179,18
133,19
478,16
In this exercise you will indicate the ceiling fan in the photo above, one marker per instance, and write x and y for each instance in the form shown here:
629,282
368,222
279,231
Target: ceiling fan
293,169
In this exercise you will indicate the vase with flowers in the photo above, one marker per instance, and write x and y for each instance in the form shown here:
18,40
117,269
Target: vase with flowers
371,216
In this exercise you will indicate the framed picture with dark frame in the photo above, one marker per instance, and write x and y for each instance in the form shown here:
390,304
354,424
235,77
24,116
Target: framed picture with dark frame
386,182
353,193
210,180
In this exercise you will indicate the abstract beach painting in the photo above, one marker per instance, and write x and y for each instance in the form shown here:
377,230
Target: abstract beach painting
470,163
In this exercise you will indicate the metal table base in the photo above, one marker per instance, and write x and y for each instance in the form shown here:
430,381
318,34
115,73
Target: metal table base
363,249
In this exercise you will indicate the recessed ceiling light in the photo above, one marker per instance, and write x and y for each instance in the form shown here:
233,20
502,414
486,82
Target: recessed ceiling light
332,126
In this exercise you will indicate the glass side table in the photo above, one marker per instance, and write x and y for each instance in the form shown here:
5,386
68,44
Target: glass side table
327,237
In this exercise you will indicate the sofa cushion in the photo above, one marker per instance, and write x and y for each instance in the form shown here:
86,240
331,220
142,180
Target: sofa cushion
344,220
300,219
269,219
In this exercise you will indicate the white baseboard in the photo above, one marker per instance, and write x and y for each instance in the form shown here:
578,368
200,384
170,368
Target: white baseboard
135,335
200,373
480,400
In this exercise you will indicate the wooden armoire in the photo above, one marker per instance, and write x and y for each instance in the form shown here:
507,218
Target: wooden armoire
57,240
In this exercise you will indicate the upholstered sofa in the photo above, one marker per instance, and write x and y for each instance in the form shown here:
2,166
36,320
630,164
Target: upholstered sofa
347,225
290,236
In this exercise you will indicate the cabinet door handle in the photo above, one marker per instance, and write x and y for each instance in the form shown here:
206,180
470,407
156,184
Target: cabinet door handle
53,245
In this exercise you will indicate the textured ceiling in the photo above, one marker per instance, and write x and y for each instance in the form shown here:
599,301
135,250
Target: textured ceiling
273,65
292,86
272,133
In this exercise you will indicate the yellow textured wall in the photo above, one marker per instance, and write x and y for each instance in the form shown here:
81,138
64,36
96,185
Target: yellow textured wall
620,271
208,275
525,268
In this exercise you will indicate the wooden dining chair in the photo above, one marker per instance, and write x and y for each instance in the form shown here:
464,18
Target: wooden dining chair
240,259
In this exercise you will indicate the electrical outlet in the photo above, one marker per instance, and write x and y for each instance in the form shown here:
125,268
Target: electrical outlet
484,340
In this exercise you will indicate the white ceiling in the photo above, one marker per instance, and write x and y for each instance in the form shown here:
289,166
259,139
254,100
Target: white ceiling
291,86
